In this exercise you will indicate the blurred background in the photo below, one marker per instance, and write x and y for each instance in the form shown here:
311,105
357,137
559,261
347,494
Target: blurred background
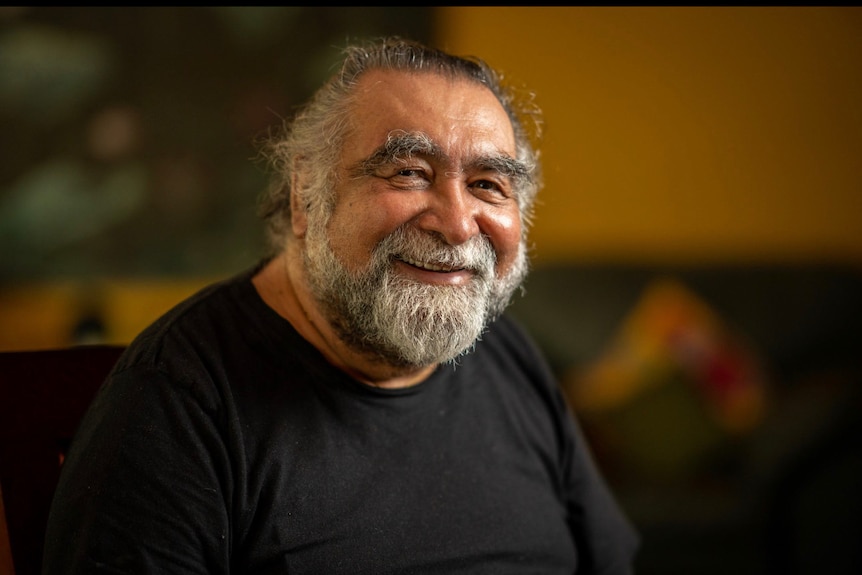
697,249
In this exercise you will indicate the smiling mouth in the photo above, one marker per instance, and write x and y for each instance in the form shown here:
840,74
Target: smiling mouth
429,266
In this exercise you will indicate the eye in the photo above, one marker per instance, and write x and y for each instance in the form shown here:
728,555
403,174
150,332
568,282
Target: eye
485,185
407,178
410,173
490,190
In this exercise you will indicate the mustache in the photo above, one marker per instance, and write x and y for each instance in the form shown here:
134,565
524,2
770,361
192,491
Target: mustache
427,248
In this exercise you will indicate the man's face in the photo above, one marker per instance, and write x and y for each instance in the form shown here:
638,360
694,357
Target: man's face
424,242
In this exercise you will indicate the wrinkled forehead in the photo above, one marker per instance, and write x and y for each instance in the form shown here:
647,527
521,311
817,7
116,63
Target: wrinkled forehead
460,115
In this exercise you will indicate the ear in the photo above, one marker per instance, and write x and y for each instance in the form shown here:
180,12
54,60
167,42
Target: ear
298,203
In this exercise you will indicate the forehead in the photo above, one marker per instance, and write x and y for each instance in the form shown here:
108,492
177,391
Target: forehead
461,116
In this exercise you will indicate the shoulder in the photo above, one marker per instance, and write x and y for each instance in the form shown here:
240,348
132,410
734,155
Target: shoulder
218,342
508,330
506,341
508,361
192,325
195,349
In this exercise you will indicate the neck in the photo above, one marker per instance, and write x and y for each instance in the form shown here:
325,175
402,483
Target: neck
282,284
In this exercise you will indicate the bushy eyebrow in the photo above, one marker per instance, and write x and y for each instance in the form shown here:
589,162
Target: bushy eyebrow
502,164
400,146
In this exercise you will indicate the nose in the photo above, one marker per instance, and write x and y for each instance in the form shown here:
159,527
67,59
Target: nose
452,211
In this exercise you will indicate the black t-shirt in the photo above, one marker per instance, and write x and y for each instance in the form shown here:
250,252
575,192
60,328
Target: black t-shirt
223,442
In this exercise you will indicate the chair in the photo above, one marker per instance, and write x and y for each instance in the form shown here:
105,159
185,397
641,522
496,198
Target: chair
43,395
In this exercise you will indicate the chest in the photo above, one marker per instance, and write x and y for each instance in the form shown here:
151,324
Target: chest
456,485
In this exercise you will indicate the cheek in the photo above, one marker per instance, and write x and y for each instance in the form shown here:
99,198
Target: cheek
356,228
504,228
350,240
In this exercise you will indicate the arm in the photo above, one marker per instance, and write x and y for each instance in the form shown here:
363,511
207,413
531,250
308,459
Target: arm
606,540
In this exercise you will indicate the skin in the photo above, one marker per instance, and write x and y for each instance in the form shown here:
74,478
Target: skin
454,192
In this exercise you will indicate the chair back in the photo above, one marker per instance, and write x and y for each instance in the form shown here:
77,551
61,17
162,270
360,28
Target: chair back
43,396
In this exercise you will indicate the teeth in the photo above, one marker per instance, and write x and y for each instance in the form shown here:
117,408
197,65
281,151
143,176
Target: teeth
427,266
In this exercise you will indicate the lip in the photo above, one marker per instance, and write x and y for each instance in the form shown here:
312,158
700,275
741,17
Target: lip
433,274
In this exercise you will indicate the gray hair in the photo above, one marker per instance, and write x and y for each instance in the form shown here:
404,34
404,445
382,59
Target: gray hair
315,136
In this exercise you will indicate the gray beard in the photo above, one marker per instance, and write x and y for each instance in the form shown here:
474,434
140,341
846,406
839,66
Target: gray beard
401,321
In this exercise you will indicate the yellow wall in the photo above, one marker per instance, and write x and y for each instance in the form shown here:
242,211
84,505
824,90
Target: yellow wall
687,134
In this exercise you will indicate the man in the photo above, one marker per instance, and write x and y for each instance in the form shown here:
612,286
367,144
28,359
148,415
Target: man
356,403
